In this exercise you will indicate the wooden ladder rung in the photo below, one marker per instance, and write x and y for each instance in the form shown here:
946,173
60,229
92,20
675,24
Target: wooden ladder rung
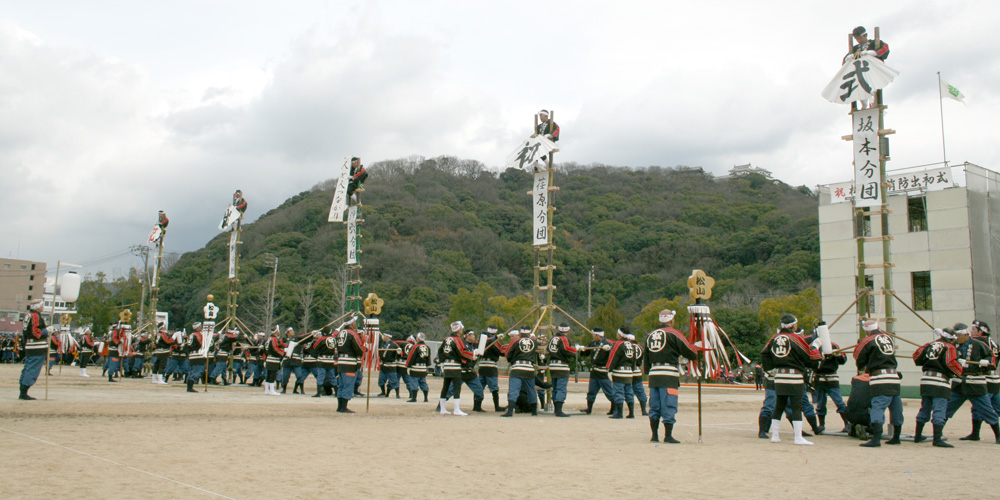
877,266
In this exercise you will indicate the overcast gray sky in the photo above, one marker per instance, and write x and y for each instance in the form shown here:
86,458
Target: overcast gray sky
112,110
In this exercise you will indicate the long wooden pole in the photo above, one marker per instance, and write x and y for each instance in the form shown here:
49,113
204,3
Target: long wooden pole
371,361
207,351
48,341
699,328
893,293
864,292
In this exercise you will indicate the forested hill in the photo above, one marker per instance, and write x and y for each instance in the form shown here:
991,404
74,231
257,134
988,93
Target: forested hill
433,227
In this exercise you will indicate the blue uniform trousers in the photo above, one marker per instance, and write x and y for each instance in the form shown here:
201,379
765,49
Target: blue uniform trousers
982,408
639,390
770,401
493,383
663,404
934,410
421,383
476,387
559,386
600,385
345,389
32,367
218,368
834,393
879,405
516,386
114,364
618,392
196,370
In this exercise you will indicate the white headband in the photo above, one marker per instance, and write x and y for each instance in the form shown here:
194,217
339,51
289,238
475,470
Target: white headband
456,326
666,315
943,334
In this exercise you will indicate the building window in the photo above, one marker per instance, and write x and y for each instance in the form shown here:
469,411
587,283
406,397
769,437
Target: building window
31,278
24,268
862,223
916,212
31,287
32,267
6,266
921,281
870,298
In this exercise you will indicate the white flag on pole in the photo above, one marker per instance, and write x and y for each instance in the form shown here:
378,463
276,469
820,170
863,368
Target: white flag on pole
947,90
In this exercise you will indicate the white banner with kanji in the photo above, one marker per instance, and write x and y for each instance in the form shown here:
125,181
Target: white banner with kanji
933,179
867,173
540,208
530,150
352,235
232,254
340,193
858,80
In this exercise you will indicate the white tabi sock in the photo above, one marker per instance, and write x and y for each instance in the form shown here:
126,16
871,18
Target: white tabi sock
775,427
797,429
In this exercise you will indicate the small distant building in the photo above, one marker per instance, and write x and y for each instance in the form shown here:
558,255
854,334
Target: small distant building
743,170
944,257
21,281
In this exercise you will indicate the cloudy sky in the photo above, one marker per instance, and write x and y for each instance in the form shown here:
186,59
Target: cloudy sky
112,110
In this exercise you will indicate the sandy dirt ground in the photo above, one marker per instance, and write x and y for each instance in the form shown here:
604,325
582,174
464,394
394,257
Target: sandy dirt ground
94,439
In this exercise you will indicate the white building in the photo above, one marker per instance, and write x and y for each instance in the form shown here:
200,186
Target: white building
743,170
945,251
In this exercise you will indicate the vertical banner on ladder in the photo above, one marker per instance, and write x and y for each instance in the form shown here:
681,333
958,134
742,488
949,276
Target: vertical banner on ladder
156,274
540,208
352,235
232,253
867,175
340,193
